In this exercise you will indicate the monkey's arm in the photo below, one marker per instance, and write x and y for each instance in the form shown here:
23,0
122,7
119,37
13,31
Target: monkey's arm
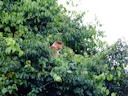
55,51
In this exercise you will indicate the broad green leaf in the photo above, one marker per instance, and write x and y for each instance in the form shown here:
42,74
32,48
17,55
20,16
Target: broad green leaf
27,65
10,91
8,50
103,89
1,34
10,41
119,73
1,3
119,68
20,53
39,74
28,62
57,78
4,90
112,68
32,69
13,49
113,94
109,77
7,29
107,92
14,86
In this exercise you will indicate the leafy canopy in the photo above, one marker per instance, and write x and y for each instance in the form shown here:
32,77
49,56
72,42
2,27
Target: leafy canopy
85,66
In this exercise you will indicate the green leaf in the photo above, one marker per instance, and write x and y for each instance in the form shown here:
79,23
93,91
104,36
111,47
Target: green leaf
9,87
57,78
109,77
107,92
7,29
39,74
4,90
14,86
13,49
27,65
10,91
8,50
113,94
119,73
112,68
67,2
1,34
10,41
32,69
1,3
119,68
103,89
20,53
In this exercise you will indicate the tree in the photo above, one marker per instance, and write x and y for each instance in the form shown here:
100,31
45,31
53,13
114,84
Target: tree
29,27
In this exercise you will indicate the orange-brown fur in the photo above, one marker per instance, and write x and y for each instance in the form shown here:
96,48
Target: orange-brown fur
56,47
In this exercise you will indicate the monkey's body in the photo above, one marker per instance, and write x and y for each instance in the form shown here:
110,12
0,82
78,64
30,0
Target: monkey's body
56,47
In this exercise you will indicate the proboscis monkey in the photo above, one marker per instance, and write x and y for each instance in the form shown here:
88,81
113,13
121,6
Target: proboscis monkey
56,47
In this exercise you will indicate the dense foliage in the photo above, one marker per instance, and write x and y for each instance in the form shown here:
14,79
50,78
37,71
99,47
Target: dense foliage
85,66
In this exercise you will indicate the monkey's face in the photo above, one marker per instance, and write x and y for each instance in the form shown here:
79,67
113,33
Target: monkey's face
59,45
